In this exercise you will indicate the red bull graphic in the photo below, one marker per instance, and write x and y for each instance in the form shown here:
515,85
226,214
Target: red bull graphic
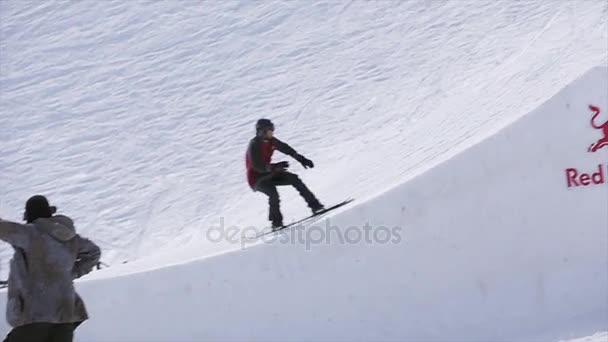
597,175
604,128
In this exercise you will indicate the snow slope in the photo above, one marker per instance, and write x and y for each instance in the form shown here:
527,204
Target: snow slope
495,244
600,337
133,117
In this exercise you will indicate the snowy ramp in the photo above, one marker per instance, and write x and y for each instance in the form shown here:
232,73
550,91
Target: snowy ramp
497,243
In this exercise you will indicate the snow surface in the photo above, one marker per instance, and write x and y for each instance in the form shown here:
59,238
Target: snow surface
491,245
133,117
599,337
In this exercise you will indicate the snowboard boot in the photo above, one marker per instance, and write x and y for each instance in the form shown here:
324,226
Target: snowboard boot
277,226
317,208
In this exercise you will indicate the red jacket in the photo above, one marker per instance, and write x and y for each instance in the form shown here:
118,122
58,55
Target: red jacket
259,156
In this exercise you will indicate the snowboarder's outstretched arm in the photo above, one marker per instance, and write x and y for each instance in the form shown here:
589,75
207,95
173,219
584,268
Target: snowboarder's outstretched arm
284,148
13,233
288,150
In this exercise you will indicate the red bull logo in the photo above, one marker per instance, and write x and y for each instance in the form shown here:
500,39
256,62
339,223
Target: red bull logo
603,128
595,176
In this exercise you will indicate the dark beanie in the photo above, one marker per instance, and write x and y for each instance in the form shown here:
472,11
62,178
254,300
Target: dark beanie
37,207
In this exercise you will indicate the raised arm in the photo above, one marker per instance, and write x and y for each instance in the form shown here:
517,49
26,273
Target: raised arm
13,233
284,148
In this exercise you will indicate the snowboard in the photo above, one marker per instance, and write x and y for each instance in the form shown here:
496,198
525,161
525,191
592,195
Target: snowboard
319,213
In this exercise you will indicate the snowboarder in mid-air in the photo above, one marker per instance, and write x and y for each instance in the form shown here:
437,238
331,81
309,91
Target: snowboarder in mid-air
264,176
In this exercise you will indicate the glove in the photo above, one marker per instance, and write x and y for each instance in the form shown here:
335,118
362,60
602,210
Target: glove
307,163
280,166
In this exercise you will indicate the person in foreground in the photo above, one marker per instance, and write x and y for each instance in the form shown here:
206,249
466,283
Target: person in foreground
42,304
264,176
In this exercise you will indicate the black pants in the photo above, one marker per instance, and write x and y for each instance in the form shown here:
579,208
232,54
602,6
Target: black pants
268,186
42,332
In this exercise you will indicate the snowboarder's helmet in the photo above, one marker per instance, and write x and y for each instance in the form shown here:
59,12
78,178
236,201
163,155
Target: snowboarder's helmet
264,124
37,207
